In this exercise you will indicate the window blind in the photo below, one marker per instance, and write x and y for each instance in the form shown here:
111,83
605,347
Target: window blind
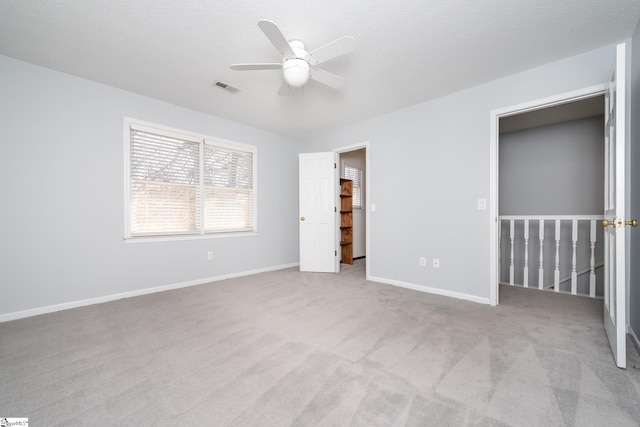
355,175
228,182
185,185
165,173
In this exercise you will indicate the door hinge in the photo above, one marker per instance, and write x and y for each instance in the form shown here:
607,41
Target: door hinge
335,166
335,253
335,209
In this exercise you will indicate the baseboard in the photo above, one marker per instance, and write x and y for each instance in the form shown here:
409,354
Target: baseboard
634,338
91,301
429,290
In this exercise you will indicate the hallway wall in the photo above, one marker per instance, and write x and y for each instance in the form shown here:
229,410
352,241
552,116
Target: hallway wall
553,170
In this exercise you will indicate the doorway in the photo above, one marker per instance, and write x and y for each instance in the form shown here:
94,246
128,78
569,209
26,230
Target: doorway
353,164
551,192
546,111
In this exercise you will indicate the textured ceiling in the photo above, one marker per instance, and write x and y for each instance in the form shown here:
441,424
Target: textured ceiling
408,51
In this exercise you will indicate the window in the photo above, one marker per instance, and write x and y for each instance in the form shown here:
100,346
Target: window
181,184
355,174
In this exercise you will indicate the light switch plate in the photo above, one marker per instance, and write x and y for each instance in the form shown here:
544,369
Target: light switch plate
482,204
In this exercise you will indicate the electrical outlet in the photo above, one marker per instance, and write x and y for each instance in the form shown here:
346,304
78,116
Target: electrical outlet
423,261
210,255
436,263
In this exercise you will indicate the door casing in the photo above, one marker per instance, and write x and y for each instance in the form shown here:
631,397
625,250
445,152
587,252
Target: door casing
367,199
495,116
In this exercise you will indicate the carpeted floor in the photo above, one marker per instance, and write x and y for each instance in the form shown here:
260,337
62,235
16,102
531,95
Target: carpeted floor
288,348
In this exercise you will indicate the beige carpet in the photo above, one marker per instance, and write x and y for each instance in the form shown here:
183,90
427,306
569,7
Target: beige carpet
288,348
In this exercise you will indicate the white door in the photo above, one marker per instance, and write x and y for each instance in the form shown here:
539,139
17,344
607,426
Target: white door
614,208
318,189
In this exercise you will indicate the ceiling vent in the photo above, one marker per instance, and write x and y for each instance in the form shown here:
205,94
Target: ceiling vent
226,87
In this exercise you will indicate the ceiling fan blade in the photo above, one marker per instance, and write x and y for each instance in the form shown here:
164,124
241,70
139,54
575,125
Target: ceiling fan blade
326,78
249,67
274,34
332,50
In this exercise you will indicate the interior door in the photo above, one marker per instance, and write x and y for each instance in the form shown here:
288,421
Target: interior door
318,189
614,208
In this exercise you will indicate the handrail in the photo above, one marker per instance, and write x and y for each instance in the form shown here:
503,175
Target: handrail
579,273
551,217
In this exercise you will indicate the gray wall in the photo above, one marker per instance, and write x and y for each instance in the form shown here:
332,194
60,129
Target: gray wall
553,170
62,216
430,163
634,205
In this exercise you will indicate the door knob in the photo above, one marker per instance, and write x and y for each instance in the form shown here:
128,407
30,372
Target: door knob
301,218
619,222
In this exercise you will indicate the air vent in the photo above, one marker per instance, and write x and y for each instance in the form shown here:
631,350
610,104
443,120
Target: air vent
226,87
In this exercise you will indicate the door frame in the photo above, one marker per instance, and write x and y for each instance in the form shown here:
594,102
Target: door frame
495,116
367,165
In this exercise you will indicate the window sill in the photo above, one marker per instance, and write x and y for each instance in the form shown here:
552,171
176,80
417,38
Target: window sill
154,239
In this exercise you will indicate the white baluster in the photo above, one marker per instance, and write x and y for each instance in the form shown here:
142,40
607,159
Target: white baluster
592,276
574,261
526,253
511,236
541,267
556,274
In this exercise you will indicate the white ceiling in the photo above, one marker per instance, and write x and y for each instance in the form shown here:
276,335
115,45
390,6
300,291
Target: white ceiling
408,51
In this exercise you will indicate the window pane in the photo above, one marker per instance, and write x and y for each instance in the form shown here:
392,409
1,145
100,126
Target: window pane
228,180
164,184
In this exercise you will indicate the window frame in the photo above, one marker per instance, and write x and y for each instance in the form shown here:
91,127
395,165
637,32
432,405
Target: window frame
202,140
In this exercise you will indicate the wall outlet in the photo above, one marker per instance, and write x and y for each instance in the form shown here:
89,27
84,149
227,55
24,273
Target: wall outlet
210,255
436,263
423,261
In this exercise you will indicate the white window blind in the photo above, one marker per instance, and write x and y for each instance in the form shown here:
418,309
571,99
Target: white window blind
228,181
185,185
355,174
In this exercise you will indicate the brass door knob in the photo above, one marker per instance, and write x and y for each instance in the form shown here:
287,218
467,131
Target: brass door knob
301,218
618,222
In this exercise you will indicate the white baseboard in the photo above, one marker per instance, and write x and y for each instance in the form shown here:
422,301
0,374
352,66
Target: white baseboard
98,300
634,338
430,290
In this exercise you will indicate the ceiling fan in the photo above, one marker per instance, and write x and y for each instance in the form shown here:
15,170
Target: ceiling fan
298,65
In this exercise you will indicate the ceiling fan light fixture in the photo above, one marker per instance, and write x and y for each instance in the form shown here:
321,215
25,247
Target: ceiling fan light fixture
296,63
296,72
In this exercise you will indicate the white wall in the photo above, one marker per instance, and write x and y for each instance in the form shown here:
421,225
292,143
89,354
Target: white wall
430,163
61,221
